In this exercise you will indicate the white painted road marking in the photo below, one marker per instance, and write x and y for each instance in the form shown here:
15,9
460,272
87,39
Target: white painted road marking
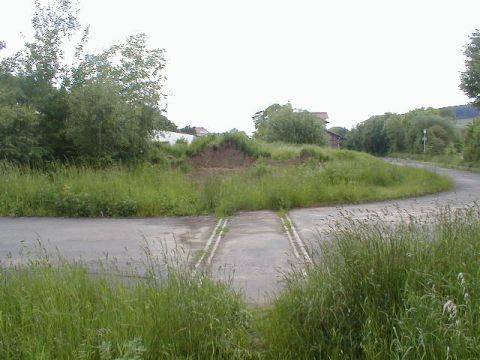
215,246
291,229
207,245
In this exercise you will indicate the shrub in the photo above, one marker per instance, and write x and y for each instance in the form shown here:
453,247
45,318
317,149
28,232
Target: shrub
472,142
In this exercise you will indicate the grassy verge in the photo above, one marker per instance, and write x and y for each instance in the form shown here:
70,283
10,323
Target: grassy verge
62,312
410,292
152,190
451,161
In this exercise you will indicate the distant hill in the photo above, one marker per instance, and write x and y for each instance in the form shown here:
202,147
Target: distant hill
463,114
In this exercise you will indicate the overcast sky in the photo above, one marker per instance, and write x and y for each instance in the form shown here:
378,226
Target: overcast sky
229,59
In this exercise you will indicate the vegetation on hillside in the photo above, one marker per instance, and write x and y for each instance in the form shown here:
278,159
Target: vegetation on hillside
375,291
282,177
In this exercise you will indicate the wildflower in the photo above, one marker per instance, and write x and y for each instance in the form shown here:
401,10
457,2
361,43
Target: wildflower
463,283
450,309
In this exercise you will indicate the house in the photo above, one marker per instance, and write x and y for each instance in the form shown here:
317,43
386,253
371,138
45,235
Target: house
169,137
335,139
200,131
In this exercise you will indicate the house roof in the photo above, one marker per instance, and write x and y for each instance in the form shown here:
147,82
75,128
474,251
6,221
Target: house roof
334,134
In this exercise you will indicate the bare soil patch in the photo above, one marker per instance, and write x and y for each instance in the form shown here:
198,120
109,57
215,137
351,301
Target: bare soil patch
224,156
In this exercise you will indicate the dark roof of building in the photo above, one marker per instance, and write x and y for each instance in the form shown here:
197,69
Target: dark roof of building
334,134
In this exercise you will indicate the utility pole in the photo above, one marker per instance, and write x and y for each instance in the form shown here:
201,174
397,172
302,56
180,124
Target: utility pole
424,141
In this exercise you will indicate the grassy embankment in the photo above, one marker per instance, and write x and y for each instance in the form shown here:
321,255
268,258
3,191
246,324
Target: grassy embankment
412,292
455,161
174,187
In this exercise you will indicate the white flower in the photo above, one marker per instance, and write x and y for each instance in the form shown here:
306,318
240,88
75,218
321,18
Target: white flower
450,309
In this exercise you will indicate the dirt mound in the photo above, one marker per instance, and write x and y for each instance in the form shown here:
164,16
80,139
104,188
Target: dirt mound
224,156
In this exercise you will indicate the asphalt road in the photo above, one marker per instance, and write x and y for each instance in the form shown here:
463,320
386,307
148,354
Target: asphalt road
253,253
313,223
122,241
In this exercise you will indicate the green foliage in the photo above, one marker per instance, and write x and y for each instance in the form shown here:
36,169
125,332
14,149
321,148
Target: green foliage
19,140
393,133
470,78
283,123
318,176
472,142
62,312
102,125
369,136
101,108
383,291
136,70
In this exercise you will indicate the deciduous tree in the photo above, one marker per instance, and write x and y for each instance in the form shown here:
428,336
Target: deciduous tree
283,123
470,78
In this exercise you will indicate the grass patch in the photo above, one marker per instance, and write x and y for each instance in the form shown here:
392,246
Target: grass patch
324,176
408,292
62,312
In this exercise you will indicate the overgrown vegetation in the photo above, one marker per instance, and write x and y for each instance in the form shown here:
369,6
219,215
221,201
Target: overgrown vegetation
376,290
391,133
174,186
382,292
99,109
52,311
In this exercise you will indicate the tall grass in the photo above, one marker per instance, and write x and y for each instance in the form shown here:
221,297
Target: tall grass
382,292
152,190
52,311
375,291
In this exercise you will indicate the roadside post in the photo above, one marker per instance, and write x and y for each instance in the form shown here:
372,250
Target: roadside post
424,139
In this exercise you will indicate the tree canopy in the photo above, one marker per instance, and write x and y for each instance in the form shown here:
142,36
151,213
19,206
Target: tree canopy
391,133
283,123
470,78
99,106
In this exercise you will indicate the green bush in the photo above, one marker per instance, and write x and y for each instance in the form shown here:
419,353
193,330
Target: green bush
283,123
472,142
19,138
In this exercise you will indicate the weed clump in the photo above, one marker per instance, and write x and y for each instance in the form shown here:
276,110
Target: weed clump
63,312
379,291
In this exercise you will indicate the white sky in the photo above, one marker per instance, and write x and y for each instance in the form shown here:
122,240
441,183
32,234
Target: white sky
229,59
